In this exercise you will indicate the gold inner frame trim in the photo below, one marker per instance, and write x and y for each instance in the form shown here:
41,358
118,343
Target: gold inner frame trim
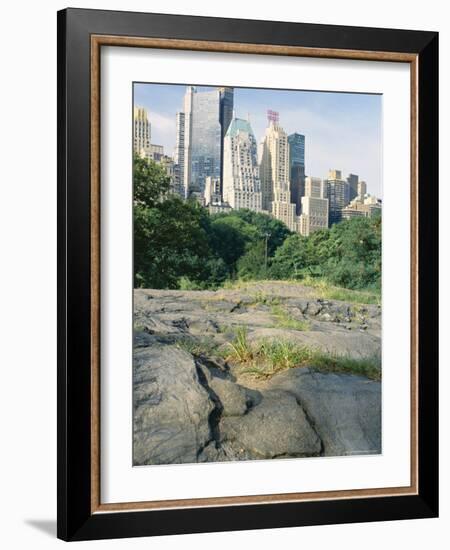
97,41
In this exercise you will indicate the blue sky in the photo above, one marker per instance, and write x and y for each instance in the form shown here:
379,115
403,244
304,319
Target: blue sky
343,130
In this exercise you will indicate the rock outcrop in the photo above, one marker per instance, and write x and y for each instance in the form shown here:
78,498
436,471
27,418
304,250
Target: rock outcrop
192,407
171,407
344,409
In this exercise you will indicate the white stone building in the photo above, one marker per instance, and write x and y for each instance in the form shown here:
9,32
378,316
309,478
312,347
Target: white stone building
314,207
142,131
241,182
275,174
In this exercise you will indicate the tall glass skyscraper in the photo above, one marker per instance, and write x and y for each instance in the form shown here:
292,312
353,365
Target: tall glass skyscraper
202,139
297,168
338,195
226,108
226,115
353,180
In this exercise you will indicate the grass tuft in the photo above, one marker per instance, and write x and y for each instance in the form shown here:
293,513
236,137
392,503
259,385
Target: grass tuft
241,349
200,346
262,298
285,320
325,290
267,357
330,292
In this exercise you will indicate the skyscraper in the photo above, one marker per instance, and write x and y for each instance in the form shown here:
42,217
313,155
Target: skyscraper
178,156
226,108
225,117
314,214
241,183
202,139
213,195
337,193
362,189
352,181
275,172
297,168
142,131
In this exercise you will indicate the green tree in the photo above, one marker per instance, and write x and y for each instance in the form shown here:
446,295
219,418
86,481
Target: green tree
251,266
177,244
354,259
348,254
229,239
169,243
291,259
150,182
170,235
265,225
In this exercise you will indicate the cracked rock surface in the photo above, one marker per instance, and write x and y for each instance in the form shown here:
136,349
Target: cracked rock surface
171,407
185,412
196,408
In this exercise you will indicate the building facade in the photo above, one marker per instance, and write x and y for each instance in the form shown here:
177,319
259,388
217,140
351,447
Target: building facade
226,108
353,181
315,213
297,168
213,194
275,174
225,117
202,139
155,152
178,155
142,131
338,195
362,189
368,207
241,183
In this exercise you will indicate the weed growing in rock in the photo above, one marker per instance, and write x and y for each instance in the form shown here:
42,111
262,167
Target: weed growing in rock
267,357
330,292
200,346
285,320
241,349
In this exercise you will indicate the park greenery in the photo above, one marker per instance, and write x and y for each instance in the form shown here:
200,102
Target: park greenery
178,244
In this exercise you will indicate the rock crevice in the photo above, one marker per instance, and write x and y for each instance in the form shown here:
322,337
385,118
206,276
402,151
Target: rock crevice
190,406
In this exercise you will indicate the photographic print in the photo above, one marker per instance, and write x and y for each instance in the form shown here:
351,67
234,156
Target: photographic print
247,267
257,273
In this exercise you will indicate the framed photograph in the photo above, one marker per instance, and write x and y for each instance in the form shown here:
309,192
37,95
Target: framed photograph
247,242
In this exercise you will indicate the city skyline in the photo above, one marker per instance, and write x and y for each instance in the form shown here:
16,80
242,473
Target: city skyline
342,130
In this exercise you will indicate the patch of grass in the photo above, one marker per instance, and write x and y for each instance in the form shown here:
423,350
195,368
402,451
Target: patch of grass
240,284
324,289
330,292
138,327
267,357
225,329
285,320
278,355
233,284
241,349
260,298
200,346
364,366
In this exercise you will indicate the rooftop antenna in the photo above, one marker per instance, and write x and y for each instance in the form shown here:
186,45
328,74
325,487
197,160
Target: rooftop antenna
273,116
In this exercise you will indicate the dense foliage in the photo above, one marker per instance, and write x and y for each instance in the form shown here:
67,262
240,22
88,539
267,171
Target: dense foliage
348,254
178,244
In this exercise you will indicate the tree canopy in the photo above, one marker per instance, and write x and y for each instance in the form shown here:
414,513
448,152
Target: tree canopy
178,244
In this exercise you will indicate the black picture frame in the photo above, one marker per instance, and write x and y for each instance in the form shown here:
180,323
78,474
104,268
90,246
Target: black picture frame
75,518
